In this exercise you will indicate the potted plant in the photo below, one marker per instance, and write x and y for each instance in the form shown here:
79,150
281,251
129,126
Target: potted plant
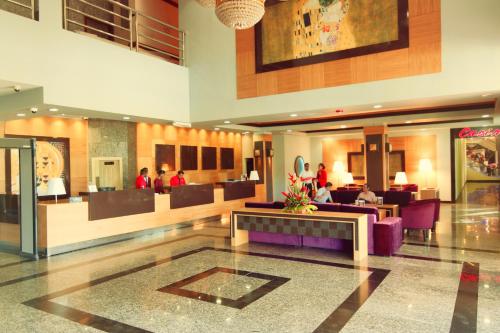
297,200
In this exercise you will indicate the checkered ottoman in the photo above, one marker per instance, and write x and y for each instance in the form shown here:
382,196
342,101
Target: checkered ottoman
388,236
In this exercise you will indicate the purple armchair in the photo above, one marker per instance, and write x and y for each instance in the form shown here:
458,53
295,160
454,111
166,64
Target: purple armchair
419,215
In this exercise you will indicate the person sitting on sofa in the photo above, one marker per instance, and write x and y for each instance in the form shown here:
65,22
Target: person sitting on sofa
367,195
323,195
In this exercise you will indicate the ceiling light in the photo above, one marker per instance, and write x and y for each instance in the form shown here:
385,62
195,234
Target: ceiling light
181,124
378,106
293,115
244,133
216,129
227,122
486,95
485,125
85,118
126,118
485,116
53,109
62,114
343,126
408,122
289,131
21,114
239,14
34,109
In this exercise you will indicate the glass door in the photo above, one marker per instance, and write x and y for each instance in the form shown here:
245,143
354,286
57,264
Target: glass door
18,225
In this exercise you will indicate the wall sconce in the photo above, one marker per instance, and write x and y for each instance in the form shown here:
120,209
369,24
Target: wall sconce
270,153
256,153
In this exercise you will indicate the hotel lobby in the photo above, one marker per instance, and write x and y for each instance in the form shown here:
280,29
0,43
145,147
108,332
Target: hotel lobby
250,166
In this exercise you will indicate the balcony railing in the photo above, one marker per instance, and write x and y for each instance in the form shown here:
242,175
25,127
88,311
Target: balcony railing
26,8
116,22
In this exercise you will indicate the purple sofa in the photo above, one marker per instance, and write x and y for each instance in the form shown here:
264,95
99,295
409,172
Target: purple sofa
401,198
329,243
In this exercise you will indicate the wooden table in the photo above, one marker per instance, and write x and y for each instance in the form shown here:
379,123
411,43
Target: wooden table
385,210
429,193
351,226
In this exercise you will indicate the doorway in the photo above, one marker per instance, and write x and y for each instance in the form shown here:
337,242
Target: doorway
18,224
107,172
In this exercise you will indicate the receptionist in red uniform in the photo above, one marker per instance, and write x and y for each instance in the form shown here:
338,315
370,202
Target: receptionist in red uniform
178,179
143,181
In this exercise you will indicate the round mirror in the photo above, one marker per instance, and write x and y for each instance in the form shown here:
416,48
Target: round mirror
299,165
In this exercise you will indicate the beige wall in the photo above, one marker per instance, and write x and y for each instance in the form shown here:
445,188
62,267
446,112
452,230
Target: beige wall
148,135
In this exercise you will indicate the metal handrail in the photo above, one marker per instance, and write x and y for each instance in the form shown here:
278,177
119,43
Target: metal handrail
156,36
31,7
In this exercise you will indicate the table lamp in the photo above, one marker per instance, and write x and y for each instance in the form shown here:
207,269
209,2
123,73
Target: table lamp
254,175
56,187
400,179
348,179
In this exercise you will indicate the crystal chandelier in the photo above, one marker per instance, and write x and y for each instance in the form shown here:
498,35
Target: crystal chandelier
239,14
207,3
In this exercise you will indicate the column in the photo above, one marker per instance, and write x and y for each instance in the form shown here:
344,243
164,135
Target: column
376,157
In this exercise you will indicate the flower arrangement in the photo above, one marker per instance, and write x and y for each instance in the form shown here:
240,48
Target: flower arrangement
296,199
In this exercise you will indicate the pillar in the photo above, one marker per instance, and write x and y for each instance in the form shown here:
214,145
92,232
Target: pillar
376,157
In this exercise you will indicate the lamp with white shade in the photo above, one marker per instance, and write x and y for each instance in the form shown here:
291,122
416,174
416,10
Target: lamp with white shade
400,179
56,187
348,179
254,175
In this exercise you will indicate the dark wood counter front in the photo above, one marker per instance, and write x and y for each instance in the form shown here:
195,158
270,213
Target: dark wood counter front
238,189
105,205
191,195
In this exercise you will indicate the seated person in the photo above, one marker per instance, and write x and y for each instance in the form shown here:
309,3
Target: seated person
323,195
367,195
178,179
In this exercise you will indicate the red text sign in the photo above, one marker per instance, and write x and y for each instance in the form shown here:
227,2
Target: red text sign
472,133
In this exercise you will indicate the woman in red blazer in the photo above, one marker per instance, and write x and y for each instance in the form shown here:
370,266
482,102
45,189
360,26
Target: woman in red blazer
143,181
321,176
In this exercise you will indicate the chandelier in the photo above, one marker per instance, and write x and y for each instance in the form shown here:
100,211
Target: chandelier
239,14
207,3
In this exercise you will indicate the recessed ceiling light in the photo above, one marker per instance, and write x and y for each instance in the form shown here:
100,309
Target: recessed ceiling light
53,109
244,133
216,129
343,126
227,122
126,118
21,114
486,95
485,116
289,131
34,109
85,118
62,114
293,115
408,122
378,106
485,125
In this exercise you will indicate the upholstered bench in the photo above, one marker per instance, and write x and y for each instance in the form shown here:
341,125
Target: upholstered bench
388,236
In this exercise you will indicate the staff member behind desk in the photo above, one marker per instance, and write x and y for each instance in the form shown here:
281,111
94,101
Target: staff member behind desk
306,177
159,187
178,179
367,195
323,195
143,181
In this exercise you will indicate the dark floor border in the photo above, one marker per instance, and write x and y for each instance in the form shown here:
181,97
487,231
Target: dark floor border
333,323
15,263
465,313
453,247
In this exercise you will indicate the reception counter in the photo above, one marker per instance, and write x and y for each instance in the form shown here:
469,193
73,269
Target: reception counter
66,227
238,189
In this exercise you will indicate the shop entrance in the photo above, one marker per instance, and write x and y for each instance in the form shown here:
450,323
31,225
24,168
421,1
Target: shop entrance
18,224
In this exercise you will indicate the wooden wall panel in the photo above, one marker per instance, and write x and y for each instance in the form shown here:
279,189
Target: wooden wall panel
74,129
336,150
148,135
209,158
422,57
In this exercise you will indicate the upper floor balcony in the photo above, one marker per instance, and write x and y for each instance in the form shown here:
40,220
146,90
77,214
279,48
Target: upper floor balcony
122,57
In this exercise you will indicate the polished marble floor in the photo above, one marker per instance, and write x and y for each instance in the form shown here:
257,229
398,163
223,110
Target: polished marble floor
191,280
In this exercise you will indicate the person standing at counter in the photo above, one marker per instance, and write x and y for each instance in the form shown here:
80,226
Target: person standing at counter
143,181
178,179
159,187
307,177
321,176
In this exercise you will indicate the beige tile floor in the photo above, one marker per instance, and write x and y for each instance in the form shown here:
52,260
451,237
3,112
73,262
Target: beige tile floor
116,285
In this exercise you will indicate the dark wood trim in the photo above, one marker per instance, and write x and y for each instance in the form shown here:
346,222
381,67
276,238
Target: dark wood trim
368,115
335,130
401,43
436,122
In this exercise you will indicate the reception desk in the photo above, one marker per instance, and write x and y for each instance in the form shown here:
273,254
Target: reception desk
191,195
66,227
238,189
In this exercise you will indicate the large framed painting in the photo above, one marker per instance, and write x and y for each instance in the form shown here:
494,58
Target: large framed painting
356,165
302,32
396,163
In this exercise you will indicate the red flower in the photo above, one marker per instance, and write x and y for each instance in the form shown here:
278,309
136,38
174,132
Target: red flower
303,189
